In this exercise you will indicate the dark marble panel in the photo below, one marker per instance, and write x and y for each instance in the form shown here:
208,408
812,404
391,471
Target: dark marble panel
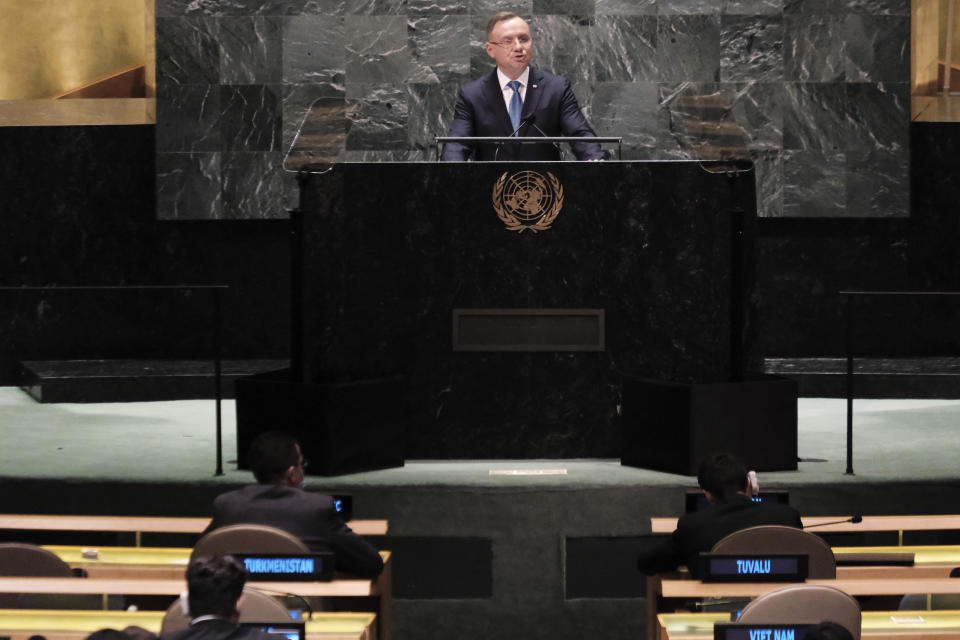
814,116
579,8
250,50
376,49
632,110
430,108
868,7
250,117
878,118
688,48
316,7
562,44
376,7
188,118
626,7
751,48
328,103
484,9
188,186
688,7
814,184
626,48
437,7
314,49
395,267
878,48
439,49
179,8
378,117
814,48
252,185
752,7
253,7
878,184
416,155
758,109
187,51
700,121
769,173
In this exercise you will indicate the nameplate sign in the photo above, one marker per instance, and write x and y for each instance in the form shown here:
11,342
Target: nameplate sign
281,630
287,567
754,567
753,631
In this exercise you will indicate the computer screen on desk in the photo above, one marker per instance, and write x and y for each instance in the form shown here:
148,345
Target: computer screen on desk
695,500
281,630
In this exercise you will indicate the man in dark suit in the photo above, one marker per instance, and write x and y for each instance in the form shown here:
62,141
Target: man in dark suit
725,483
214,591
278,500
517,99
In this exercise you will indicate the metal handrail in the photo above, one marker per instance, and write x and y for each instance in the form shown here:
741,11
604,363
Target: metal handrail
850,295
215,290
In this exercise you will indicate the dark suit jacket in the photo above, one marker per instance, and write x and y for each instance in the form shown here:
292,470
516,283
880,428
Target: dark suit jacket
699,531
218,630
480,111
309,516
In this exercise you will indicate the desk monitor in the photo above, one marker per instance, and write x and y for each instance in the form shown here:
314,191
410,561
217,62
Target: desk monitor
754,631
695,500
287,567
343,505
745,567
281,630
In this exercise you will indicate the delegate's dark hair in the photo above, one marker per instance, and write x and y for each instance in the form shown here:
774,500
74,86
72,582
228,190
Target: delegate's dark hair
722,474
499,17
271,454
828,630
214,585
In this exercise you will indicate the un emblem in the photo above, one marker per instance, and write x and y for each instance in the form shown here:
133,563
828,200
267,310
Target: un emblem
528,200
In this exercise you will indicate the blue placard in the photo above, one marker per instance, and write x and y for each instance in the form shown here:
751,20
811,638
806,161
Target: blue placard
304,567
754,631
715,567
280,630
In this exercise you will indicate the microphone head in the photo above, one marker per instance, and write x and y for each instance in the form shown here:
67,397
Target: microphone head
856,519
531,119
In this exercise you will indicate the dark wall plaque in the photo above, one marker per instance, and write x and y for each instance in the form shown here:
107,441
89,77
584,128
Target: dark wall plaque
528,329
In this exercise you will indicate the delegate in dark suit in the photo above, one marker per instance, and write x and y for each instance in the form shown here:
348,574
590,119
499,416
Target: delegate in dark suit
218,629
698,532
480,111
309,516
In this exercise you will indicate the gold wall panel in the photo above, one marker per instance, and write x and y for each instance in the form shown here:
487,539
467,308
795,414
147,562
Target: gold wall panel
924,46
50,47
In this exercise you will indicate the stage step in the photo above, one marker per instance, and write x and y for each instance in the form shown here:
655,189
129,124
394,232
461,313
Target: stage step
133,380
874,377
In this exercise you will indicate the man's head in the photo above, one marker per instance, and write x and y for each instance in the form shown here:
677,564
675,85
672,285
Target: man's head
509,43
275,458
214,587
722,475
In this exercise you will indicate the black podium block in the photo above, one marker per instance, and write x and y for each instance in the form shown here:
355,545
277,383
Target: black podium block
344,426
671,427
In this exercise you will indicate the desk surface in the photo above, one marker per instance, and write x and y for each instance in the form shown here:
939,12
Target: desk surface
323,626
143,524
876,624
830,524
922,554
127,562
887,586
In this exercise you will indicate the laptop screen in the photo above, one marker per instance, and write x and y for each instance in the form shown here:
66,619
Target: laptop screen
281,630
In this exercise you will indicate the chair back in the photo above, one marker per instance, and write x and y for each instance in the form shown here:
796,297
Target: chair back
18,559
775,538
805,604
247,538
256,606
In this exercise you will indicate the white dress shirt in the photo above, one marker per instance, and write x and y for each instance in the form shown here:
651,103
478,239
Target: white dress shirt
507,91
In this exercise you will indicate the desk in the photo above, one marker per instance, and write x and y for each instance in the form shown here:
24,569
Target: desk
20,624
160,572
869,523
879,625
141,524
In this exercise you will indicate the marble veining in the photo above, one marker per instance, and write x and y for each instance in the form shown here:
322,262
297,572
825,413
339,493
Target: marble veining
676,78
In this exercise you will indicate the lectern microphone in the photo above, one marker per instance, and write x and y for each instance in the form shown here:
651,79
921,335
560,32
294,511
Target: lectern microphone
529,120
853,519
